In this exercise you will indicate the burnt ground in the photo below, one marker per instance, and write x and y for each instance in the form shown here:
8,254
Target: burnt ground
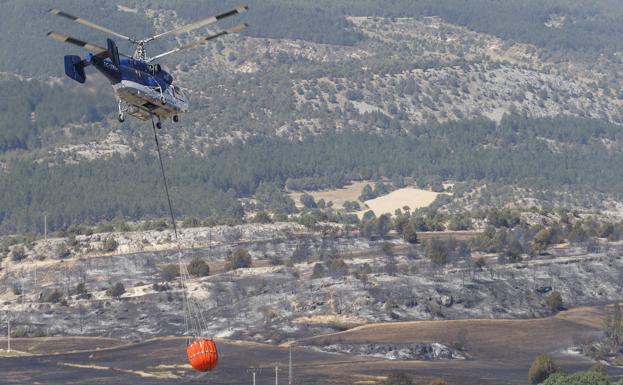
500,353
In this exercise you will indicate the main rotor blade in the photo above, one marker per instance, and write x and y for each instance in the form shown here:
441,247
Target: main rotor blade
95,49
201,41
201,23
58,12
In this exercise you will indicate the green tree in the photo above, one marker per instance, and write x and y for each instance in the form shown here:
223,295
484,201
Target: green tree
384,224
308,201
409,234
541,368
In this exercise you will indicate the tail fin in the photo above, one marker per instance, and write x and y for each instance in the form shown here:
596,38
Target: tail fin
113,52
74,68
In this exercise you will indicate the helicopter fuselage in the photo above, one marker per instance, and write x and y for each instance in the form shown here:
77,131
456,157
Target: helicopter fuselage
143,89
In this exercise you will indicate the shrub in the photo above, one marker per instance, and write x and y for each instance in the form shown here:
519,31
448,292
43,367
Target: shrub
554,301
109,245
18,254
437,251
19,332
409,234
398,379
159,288
169,272
191,222
239,259
481,262
81,289
62,250
116,290
319,271
580,378
198,267
308,201
262,217
437,381
51,296
542,367
337,267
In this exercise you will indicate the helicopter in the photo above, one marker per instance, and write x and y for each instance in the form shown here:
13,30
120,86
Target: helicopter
142,87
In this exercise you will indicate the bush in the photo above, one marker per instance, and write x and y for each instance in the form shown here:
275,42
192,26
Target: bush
308,201
19,332
437,381
51,296
239,259
198,267
398,379
109,245
481,262
81,289
542,367
62,250
262,217
437,251
191,222
554,301
169,272
18,254
159,288
116,290
409,234
319,271
337,267
581,378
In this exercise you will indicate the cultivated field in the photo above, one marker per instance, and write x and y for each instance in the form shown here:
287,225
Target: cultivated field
338,196
413,197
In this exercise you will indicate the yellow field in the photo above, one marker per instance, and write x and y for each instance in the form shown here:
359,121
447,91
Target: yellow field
409,196
338,196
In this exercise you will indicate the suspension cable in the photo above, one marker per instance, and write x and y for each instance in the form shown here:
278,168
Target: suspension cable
164,178
194,319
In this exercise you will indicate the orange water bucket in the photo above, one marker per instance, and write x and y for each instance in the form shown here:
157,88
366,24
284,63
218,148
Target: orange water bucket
202,355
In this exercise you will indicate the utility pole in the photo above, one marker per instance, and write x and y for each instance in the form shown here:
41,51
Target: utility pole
290,365
45,227
254,370
277,374
8,333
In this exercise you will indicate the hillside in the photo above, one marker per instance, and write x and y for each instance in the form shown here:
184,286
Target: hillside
451,98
